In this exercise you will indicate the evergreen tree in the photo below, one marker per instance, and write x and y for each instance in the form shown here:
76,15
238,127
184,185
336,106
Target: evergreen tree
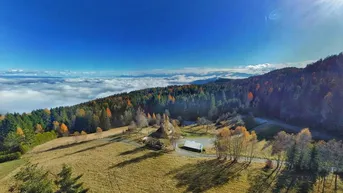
32,179
68,184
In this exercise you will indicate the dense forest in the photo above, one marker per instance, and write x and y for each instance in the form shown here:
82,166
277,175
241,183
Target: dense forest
310,96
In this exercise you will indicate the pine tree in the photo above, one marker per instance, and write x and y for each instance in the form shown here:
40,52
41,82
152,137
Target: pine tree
32,179
68,184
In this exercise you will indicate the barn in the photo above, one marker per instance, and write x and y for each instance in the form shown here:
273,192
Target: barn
193,146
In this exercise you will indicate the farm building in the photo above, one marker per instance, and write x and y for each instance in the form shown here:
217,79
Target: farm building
193,146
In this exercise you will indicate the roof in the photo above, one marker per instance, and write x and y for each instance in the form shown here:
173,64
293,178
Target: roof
193,145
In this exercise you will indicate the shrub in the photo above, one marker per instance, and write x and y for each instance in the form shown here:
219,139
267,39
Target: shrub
23,148
154,143
269,164
41,138
10,157
98,130
4,152
132,127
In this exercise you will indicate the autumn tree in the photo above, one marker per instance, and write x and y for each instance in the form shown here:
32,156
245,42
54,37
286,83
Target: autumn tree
222,143
56,126
250,97
63,130
303,140
175,134
281,143
105,122
239,139
253,141
39,128
141,119
20,132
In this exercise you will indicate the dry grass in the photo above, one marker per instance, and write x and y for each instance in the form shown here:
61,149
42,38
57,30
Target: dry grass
196,130
63,141
115,164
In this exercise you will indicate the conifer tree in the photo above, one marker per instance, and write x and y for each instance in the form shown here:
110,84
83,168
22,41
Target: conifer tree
68,184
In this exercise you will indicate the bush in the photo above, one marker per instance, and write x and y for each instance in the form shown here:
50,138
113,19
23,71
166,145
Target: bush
10,157
269,164
154,143
4,152
41,138
98,130
23,148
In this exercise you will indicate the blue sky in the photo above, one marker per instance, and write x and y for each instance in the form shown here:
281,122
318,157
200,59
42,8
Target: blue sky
134,35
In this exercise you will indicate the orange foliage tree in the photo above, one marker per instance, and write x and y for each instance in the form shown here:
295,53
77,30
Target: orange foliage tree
129,104
250,96
63,129
108,112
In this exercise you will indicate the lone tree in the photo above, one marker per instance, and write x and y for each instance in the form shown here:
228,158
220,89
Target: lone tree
67,184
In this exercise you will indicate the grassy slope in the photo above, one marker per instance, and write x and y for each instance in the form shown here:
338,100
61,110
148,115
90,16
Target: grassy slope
111,165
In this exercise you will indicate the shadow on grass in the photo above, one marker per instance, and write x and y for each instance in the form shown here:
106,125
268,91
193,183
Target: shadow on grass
263,181
281,180
136,150
205,175
294,181
83,150
149,155
65,146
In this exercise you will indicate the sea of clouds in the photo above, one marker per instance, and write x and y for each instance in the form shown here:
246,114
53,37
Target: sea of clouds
24,91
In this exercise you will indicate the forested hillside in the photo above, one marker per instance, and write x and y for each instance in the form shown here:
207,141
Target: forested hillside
311,96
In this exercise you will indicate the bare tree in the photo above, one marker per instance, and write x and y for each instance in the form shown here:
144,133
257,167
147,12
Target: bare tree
141,119
281,143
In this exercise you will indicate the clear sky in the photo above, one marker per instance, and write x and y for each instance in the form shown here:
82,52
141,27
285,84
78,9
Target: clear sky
153,34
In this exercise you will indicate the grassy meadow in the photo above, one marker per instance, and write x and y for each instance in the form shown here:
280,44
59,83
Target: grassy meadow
118,163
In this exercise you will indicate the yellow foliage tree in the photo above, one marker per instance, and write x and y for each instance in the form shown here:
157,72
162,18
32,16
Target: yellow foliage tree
56,125
39,128
20,132
80,112
149,116
153,116
83,133
76,133
47,111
